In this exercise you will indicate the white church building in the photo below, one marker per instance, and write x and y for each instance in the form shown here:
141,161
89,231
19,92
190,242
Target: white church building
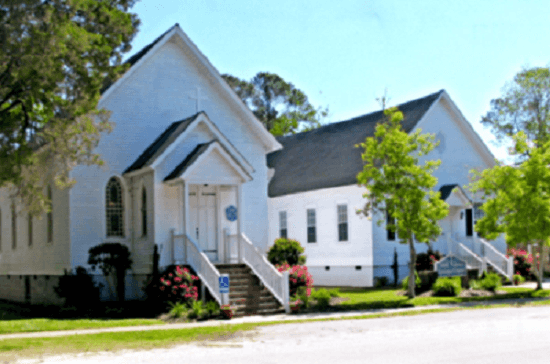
189,168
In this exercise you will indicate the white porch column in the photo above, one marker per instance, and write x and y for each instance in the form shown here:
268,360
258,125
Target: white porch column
239,220
185,230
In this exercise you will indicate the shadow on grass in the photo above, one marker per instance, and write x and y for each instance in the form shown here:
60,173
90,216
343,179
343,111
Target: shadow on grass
101,311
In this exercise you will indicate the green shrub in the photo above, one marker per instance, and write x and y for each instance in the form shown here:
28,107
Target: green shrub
322,296
286,251
417,282
302,295
427,279
447,287
177,309
335,292
381,282
78,289
212,308
197,311
518,279
491,282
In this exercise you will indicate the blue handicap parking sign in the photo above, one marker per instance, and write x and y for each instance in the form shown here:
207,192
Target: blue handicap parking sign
224,284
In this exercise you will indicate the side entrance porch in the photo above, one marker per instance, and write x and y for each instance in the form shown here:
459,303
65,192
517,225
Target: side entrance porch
209,236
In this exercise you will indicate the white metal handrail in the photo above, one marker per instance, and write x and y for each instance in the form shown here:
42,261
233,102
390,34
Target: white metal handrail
472,260
275,281
200,263
499,261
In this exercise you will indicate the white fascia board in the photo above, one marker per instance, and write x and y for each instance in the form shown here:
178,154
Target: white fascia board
138,172
135,67
211,126
267,138
215,146
487,156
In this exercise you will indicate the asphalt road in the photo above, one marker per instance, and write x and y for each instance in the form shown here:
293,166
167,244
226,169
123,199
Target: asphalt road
503,335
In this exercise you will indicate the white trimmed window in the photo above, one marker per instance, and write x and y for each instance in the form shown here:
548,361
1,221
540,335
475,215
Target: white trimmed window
390,220
283,232
311,228
342,222
114,208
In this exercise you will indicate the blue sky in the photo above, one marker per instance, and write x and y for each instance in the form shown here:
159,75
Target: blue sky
345,54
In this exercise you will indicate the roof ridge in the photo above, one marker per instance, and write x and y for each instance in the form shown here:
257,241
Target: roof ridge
356,118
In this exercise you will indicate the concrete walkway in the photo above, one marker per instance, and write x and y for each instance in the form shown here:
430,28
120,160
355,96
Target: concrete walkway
279,317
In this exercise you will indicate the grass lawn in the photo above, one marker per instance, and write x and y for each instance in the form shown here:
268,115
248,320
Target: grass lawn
36,347
143,340
387,298
43,324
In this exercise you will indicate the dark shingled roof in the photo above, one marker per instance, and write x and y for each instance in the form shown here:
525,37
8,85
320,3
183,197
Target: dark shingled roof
137,56
192,157
161,143
326,157
446,191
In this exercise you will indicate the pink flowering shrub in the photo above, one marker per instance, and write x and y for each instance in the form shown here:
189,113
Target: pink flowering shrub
298,277
523,263
176,284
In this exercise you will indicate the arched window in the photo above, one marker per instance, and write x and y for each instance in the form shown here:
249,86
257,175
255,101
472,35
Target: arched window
144,212
114,208
49,216
13,226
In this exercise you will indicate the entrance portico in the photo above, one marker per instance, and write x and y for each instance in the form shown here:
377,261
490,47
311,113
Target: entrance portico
210,181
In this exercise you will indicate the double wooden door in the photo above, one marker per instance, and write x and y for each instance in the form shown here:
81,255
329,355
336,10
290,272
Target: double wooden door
203,219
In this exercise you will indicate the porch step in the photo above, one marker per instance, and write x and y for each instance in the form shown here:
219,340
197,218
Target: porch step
246,292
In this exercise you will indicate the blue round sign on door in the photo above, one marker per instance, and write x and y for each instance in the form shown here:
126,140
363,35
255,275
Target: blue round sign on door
231,213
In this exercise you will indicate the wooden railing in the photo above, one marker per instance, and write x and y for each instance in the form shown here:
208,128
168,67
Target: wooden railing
498,261
276,282
186,250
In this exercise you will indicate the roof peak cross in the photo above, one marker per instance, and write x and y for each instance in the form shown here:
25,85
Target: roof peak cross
198,97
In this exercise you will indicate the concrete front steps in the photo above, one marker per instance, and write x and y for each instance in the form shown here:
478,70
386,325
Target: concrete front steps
247,293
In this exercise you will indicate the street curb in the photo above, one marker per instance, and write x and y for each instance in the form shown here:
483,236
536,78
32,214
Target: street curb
282,318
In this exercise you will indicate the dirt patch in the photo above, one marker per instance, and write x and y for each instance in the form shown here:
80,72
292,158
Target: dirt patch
465,293
335,301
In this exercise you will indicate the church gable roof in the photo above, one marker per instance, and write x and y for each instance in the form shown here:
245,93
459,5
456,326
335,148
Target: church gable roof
327,157
153,151
175,32
201,150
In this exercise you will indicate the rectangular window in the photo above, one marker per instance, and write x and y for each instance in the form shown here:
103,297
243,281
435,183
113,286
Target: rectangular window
342,222
469,223
390,220
29,222
311,233
282,224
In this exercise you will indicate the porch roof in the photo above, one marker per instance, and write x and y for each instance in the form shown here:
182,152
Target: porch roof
448,190
202,150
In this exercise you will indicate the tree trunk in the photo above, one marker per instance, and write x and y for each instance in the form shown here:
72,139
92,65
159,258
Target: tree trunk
412,266
541,266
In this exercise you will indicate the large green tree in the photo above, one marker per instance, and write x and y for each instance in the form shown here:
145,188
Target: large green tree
54,58
398,185
524,106
517,198
279,105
